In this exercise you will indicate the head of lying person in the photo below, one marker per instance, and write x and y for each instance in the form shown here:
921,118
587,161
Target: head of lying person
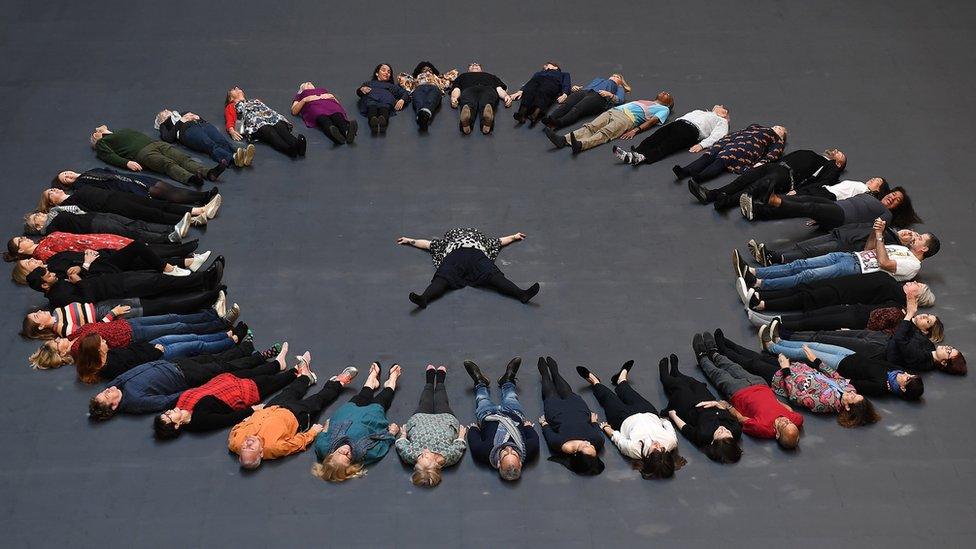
383,72
907,386
781,132
23,267
856,411
68,177
787,433
657,462
251,452
924,294
427,470
877,186
51,198
509,464
665,98
34,222
929,325
949,360
19,247
721,111
97,134
105,404
38,325
167,425
338,466
52,354
90,357
474,67
723,448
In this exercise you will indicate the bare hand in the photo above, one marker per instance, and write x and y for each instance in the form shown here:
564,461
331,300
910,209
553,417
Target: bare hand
696,149
454,103
673,415
326,96
365,89
791,193
576,88
783,361
257,407
403,431
394,429
404,241
594,418
508,101
120,310
518,237
235,135
527,423
542,421
316,428
605,93
911,291
462,432
73,270
757,164
561,98
879,225
629,134
90,256
133,165
398,106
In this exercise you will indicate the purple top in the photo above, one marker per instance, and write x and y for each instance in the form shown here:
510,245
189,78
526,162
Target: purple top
319,107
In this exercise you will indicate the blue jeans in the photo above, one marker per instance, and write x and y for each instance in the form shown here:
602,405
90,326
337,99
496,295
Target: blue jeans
206,138
427,97
151,327
801,271
831,355
178,346
483,405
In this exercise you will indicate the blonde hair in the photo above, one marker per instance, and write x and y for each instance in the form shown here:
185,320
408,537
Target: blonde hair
46,358
623,82
330,471
427,477
45,203
19,274
926,298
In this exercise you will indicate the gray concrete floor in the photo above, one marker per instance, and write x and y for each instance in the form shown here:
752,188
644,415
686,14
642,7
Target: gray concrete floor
630,267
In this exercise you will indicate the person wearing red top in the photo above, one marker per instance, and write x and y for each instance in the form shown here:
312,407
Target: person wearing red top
754,404
22,247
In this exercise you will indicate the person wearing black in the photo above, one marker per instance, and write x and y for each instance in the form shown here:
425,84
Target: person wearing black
477,93
568,425
466,257
794,171
873,288
847,238
895,208
134,183
600,95
712,429
98,223
136,256
548,86
851,316
93,199
120,285
197,134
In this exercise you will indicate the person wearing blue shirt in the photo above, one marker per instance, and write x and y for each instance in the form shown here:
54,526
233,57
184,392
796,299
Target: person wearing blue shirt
589,100
624,122
548,86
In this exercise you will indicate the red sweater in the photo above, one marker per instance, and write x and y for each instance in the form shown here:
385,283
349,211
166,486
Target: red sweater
233,391
116,333
230,116
66,242
760,405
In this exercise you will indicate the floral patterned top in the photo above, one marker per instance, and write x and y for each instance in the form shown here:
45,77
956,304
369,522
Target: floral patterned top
817,388
463,237
744,148
253,115
58,242
435,432
409,82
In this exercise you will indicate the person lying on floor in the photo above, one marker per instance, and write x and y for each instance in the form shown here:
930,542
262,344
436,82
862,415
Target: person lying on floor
695,131
568,425
623,122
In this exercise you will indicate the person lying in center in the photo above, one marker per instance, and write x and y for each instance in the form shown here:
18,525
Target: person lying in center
466,257
569,427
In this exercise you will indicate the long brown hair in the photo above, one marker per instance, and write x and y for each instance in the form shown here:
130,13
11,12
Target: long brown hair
33,330
861,413
88,358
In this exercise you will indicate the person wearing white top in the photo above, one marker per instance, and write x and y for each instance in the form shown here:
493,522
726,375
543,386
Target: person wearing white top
877,186
697,129
635,426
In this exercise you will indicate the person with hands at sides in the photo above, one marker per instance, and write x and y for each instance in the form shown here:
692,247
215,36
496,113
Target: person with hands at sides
754,404
693,410
696,131
137,184
568,425
381,97
635,426
320,109
286,425
502,437
548,86
196,134
151,210
737,152
432,438
465,256
624,122
477,93
251,119
358,434
135,150
589,100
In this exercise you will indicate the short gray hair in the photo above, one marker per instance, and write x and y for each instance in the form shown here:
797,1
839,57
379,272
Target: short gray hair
925,297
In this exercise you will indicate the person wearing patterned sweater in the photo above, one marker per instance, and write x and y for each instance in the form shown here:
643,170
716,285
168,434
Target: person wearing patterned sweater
466,257
737,152
432,438
251,119
22,247
427,87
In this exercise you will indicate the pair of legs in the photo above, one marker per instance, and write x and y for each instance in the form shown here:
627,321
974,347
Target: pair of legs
279,136
269,377
811,247
868,342
476,101
760,364
164,158
602,129
622,402
726,375
184,345
509,403
580,104
161,190
337,128
378,115
831,355
151,327
165,304
206,138
433,399
538,94
824,211
707,167
199,370
149,209
498,281
852,316
795,299
758,182
306,409
667,140
426,100
152,233
143,284
368,395
802,271
553,384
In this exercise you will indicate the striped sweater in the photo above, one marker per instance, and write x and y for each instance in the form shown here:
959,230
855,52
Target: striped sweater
72,316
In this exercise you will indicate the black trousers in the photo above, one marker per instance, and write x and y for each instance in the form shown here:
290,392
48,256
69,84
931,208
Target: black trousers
279,136
580,104
539,93
306,409
758,182
325,122
763,365
816,190
477,97
378,110
171,249
131,228
183,303
268,377
852,316
162,190
621,403
197,373
811,247
499,282
149,209
825,212
706,168
433,400
667,140
134,257
145,284
554,385
368,395
239,357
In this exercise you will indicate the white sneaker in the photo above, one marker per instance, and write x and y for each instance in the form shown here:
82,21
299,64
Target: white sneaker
210,209
183,227
178,271
745,205
221,304
199,220
199,260
745,292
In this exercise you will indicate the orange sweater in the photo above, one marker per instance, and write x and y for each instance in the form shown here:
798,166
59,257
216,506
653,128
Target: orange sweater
277,427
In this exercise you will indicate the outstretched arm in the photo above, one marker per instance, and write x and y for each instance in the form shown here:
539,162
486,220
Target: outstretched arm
506,240
415,242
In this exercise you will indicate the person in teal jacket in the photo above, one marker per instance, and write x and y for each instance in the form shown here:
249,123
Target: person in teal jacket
358,434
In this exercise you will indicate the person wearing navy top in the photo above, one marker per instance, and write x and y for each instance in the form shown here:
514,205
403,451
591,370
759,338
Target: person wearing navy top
568,425
380,98
138,184
548,86
589,100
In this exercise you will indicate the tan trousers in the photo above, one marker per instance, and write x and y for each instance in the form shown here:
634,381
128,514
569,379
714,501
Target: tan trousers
604,128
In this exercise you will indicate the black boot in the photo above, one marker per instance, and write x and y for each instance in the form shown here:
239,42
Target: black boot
510,371
711,348
698,345
475,372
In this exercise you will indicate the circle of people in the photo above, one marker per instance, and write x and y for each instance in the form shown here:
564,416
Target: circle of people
130,304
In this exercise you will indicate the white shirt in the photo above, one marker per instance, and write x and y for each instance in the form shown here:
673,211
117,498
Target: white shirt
644,428
847,188
711,127
906,264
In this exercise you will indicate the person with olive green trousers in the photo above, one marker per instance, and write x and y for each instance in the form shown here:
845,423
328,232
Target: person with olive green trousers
134,150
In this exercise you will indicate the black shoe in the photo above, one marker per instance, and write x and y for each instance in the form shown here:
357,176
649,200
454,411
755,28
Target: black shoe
374,125
475,372
739,265
519,116
418,300
710,346
719,337
721,201
626,367
558,140
423,120
534,117
530,293
584,372
240,331
698,345
216,271
384,123
673,360
302,145
351,133
543,367
510,371
336,135
698,192
195,180
750,278
210,194
679,172
214,173
575,144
